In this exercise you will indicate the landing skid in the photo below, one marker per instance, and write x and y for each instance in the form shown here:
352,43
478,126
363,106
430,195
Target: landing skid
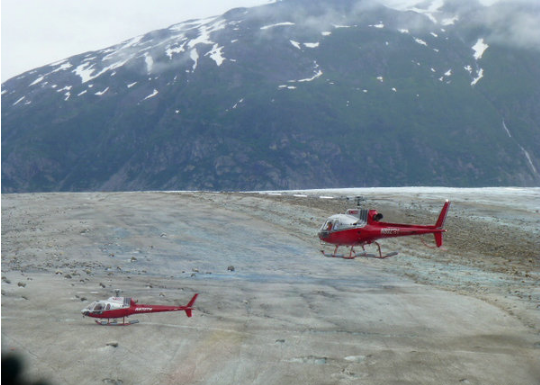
116,323
364,253
388,255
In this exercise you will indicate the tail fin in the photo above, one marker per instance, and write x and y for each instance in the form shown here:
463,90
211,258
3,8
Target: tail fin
442,215
440,224
189,306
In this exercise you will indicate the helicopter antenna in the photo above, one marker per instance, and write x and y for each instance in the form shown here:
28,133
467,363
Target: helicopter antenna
117,292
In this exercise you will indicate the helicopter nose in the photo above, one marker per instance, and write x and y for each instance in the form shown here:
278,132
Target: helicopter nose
323,234
85,312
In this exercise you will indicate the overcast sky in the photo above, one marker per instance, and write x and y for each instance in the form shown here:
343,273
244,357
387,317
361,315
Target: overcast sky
38,32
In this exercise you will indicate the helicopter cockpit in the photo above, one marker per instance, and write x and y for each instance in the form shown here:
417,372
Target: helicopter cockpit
98,307
352,218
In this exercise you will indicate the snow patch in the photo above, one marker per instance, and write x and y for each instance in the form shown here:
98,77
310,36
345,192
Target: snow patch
216,55
420,41
525,152
480,76
506,129
479,48
528,157
205,31
62,67
237,103
194,55
154,93
317,75
285,23
100,93
171,51
311,45
38,80
66,88
18,101
86,70
295,44
447,74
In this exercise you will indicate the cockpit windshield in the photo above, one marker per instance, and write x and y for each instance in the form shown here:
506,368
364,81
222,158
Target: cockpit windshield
95,307
342,222
98,307
327,226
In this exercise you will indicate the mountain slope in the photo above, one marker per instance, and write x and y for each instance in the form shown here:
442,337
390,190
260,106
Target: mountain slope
295,94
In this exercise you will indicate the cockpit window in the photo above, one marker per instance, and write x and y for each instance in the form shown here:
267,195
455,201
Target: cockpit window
95,307
327,226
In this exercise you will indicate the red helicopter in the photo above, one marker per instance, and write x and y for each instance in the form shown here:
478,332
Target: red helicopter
122,307
360,227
